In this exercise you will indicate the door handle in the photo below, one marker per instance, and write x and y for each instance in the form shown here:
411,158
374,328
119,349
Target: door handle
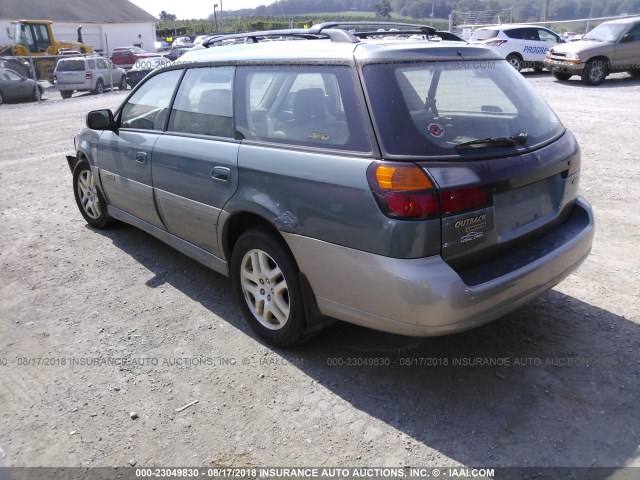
221,173
141,157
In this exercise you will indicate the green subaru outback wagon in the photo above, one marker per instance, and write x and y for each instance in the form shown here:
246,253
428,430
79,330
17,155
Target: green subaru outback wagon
419,187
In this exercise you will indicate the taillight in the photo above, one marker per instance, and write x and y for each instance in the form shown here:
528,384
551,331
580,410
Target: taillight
55,77
88,75
403,191
495,43
574,163
462,199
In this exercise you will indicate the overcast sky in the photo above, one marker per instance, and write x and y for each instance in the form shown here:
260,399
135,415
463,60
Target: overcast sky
188,9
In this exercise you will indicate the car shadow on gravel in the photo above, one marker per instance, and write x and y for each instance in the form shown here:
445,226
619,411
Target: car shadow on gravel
621,80
554,383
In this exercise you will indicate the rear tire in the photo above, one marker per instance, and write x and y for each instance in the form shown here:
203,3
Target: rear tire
265,279
515,61
88,197
99,90
123,83
595,71
66,93
1,99
563,77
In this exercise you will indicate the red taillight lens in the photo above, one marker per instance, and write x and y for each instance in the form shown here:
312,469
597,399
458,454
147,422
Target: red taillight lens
462,199
88,75
495,43
403,191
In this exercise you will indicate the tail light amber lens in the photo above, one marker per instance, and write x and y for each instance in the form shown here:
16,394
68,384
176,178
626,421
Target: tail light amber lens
403,191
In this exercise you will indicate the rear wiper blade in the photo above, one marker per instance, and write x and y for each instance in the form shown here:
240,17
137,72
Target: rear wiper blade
518,139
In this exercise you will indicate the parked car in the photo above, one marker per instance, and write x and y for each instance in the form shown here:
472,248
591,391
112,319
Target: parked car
201,38
524,46
161,45
142,67
125,57
182,42
87,74
419,188
176,52
14,86
611,47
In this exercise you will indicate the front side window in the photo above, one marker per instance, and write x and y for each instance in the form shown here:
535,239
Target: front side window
547,36
303,105
429,109
204,103
148,107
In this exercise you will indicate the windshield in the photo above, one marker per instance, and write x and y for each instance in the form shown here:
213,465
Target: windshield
461,108
605,32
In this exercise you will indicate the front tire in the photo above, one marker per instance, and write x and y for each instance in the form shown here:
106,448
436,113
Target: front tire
634,73
595,71
1,99
88,198
265,279
123,83
99,90
515,61
563,77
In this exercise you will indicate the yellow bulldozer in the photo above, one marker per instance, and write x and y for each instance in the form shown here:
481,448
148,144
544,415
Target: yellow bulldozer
35,39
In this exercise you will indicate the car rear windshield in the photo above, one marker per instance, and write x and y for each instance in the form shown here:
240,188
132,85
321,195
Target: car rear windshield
70,66
448,109
482,34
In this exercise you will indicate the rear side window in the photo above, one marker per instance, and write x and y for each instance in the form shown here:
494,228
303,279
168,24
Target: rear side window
102,64
483,34
70,66
204,103
429,109
148,107
515,33
312,106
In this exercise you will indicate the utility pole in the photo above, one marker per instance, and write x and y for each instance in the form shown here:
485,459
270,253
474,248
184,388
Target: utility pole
546,10
215,17
433,4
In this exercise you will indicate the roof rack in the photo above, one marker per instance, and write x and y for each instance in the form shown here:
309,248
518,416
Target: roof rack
335,31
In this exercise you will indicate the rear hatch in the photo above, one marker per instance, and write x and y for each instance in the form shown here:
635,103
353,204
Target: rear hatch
70,71
500,164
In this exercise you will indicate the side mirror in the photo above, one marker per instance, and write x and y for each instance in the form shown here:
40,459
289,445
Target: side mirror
100,120
627,38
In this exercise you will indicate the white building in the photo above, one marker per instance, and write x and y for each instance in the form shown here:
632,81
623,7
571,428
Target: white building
105,24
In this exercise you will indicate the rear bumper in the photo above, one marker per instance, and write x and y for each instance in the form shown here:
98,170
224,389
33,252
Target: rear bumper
425,296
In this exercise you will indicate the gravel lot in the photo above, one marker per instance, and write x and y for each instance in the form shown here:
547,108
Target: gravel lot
75,302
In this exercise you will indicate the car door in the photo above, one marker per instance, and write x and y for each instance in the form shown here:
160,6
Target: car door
102,70
548,40
627,50
18,86
195,161
124,155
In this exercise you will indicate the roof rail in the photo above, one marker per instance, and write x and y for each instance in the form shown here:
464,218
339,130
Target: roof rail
335,31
